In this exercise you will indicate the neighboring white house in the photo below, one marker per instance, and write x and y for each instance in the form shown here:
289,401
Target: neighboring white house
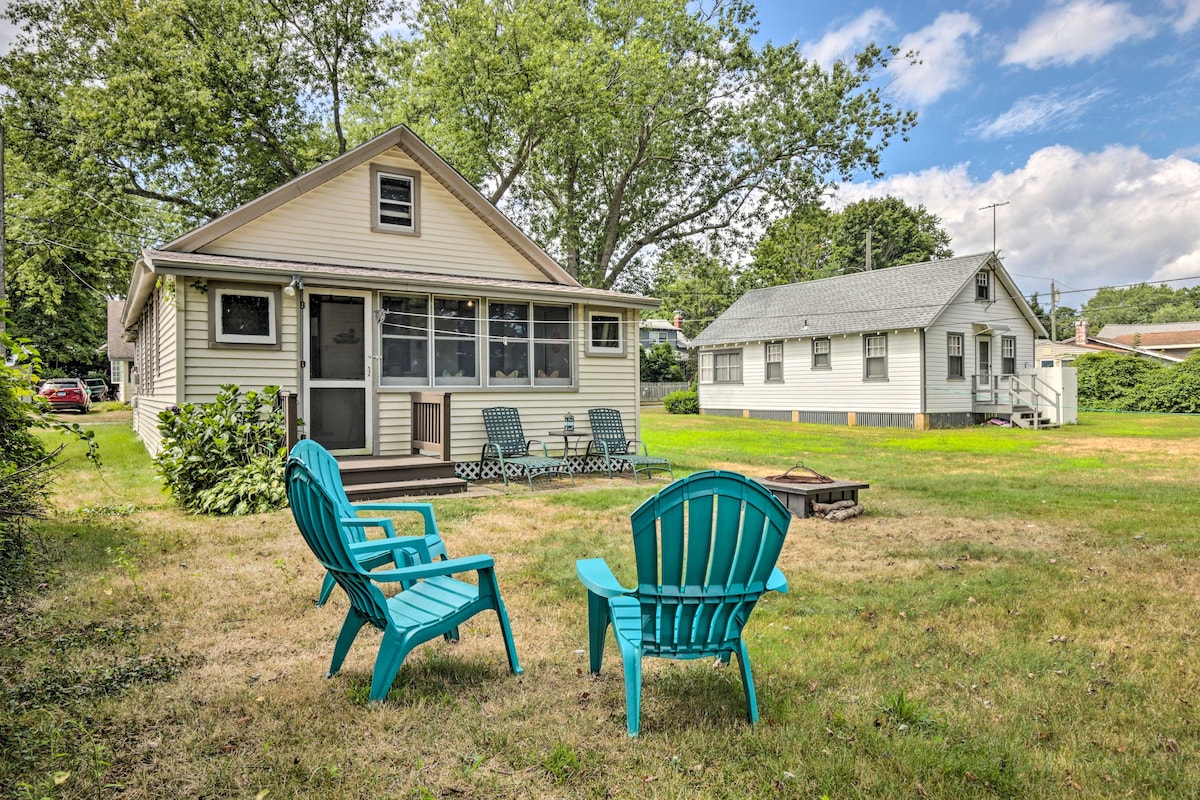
665,331
120,352
367,286
933,345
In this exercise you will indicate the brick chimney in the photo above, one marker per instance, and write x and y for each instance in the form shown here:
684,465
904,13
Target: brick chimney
678,321
1081,332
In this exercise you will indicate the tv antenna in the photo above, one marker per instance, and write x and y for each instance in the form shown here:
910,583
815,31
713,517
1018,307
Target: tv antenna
993,207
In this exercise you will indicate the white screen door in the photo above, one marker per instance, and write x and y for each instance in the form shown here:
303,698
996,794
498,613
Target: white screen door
337,357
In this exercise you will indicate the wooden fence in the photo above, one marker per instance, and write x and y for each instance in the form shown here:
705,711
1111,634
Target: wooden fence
655,392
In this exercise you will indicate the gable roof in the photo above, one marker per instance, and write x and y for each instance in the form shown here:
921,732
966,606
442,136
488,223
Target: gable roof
1151,335
414,147
909,296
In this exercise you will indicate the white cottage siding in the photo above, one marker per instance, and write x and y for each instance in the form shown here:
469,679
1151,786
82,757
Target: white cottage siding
156,361
209,368
331,224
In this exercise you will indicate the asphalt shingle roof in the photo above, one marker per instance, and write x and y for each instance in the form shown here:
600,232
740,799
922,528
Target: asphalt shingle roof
909,296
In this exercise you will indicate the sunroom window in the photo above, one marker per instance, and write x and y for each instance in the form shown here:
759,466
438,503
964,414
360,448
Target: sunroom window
405,341
454,336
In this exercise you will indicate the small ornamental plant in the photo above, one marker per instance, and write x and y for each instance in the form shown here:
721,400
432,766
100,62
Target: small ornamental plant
225,457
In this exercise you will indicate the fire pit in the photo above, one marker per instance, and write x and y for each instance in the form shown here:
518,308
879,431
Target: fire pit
798,490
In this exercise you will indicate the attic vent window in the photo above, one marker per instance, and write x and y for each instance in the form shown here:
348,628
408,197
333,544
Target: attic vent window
396,196
983,285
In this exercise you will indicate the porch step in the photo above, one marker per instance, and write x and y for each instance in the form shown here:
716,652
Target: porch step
425,487
370,478
1031,419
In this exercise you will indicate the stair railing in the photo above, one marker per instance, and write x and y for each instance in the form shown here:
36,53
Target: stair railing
431,423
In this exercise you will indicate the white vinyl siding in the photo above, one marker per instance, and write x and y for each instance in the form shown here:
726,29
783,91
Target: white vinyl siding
156,349
331,225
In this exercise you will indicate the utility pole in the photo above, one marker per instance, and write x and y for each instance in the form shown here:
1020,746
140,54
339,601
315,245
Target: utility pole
868,249
993,207
1053,312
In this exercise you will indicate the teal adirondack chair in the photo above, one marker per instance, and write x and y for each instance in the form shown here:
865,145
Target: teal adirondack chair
431,602
508,445
325,468
608,440
705,548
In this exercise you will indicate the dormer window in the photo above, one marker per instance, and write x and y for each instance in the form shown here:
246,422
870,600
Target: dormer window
983,285
395,200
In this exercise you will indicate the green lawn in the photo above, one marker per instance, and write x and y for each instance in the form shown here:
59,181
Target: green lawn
1014,616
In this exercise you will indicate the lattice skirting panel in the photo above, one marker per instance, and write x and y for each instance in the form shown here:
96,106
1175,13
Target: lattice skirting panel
469,470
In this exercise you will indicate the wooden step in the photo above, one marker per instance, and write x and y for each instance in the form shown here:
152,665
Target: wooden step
392,469
420,487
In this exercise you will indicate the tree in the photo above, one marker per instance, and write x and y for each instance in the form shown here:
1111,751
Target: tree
813,242
1064,318
1141,303
614,129
696,284
658,364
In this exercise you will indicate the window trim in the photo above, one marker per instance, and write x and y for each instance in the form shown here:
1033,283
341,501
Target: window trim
767,362
218,339
950,356
828,353
708,366
382,170
602,351
1007,341
866,349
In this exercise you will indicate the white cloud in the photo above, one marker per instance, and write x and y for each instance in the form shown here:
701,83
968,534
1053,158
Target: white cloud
1106,218
8,31
1075,31
1038,112
944,60
1190,16
846,41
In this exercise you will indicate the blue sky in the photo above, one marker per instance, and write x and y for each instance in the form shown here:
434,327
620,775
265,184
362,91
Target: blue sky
1082,115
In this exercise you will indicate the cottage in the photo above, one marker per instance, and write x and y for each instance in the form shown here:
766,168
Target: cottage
376,287
933,345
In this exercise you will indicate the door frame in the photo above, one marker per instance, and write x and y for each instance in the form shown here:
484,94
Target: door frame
367,383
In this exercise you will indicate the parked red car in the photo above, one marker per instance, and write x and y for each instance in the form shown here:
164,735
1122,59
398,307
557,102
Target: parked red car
64,393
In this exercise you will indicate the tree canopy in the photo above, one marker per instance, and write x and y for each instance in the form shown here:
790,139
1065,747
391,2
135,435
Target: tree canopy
1141,303
815,242
613,129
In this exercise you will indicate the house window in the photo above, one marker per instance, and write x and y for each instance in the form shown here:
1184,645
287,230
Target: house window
820,353
954,355
722,366
604,334
552,346
404,339
983,285
774,363
1008,355
875,357
395,200
244,316
508,344
454,336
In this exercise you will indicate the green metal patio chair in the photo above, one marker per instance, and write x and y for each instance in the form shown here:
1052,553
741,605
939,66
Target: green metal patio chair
507,444
705,548
324,468
431,603
608,440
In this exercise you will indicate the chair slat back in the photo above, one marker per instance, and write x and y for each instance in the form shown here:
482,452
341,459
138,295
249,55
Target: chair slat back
503,425
325,470
316,514
608,428
705,547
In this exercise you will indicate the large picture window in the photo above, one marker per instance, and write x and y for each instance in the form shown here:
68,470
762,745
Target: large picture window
244,316
875,357
954,355
455,329
722,366
405,341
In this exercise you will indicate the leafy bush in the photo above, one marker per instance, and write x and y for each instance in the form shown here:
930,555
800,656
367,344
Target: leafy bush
659,364
1175,389
1114,382
225,457
682,403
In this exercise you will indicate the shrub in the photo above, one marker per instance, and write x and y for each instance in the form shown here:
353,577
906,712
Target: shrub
1175,389
225,457
1114,382
682,403
660,365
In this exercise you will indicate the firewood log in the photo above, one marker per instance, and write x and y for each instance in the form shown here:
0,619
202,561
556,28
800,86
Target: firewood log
824,508
844,513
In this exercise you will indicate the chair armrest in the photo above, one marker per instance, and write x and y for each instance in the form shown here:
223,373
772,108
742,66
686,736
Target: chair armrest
389,529
529,446
777,583
594,573
447,567
413,544
635,442
424,509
